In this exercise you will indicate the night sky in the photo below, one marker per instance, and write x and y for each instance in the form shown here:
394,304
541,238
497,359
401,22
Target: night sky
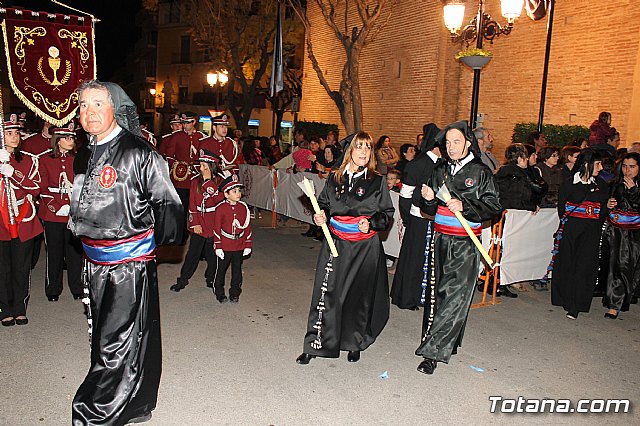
116,33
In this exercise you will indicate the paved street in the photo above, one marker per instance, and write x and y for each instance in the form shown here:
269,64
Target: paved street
234,364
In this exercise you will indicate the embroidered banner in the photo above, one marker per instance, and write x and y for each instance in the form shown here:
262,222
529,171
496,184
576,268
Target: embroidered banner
48,55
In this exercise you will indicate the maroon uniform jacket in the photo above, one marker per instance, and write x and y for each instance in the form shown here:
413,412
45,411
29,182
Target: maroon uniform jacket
181,151
202,205
148,136
232,229
227,149
56,182
36,144
25,183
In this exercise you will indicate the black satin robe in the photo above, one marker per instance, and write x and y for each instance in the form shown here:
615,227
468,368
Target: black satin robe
624,252
457,260
356,303
575,269
407,291
126,357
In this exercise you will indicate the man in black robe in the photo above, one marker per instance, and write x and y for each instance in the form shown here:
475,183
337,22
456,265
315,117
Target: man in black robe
123,203
474,194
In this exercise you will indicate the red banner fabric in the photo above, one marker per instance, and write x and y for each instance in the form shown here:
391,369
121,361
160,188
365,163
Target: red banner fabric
48,55
536,9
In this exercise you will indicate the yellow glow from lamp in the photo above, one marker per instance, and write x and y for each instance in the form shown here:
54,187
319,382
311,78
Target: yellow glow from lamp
453,16
512,9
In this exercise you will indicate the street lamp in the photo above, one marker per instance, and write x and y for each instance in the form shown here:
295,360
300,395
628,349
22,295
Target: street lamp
217,79
481,27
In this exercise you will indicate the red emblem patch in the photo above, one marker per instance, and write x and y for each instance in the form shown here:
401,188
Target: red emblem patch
468,182
360,192
107,177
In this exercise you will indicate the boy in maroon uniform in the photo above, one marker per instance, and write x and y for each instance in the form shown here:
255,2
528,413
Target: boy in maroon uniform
232,238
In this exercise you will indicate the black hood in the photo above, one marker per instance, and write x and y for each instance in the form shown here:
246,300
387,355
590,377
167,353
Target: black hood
429,132
463,126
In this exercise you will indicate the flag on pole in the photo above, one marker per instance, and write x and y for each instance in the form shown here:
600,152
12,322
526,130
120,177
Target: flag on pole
277,82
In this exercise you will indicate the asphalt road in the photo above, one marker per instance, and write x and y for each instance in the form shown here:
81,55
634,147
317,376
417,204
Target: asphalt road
234,364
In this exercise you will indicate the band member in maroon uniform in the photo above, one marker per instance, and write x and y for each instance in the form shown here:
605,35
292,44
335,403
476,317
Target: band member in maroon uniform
38,144
19,227
232,238
181,152
218,143
204,196
56,174
176,125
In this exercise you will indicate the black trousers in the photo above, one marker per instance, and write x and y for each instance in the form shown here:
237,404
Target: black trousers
61,246
196,245
15,277
183,193
235,259
126,351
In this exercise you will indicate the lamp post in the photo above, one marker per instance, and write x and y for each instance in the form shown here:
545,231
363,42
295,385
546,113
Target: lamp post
481,27
217,79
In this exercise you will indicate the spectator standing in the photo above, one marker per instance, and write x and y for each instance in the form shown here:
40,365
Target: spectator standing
251,152
538,140
568,157
386,155
548,159
601,129
485,142
407,154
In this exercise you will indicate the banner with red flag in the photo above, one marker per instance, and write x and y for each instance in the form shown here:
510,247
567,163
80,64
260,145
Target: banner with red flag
48,55
536,9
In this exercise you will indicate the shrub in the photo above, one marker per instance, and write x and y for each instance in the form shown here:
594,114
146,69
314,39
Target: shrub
314,128
557,135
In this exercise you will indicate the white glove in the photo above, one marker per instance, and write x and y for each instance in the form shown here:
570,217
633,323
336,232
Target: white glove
220,253
6,170
246,252
4,156
64,211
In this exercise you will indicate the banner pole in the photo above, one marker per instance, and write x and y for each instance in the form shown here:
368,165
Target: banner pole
5,179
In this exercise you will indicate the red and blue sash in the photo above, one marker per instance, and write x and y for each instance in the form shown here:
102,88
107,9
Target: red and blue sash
625,219
139,248
447,223
346,228
584,210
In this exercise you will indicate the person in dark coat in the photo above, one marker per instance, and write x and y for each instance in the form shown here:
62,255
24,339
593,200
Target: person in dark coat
474,194
583,203
350,300
623,237
601,129
123,203
410,282
518,190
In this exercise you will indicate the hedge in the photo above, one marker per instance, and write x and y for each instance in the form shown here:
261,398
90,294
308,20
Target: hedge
557,135
317,129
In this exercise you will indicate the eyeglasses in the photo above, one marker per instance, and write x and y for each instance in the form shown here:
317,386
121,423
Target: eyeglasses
555,155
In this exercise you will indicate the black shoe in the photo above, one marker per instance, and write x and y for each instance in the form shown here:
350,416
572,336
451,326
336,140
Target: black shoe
415,308
540,286
506,292
234,299
177,287
319,237
8,322
611,316
140,419
428,366
53,298
304,358
22,321
77,297
598,293
309,233
222,299
353,356
209,285
634,300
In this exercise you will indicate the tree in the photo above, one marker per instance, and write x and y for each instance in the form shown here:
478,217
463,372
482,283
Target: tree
372,16
238,36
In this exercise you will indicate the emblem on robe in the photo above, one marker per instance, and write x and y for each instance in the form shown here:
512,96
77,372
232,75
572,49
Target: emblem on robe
107,177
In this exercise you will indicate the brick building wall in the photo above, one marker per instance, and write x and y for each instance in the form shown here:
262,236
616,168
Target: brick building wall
409,76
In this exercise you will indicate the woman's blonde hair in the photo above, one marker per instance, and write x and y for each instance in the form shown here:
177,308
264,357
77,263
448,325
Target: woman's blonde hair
358,140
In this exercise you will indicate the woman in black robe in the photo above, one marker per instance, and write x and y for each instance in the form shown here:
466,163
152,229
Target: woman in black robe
409,289
350,300
474,194
623,237
582,207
